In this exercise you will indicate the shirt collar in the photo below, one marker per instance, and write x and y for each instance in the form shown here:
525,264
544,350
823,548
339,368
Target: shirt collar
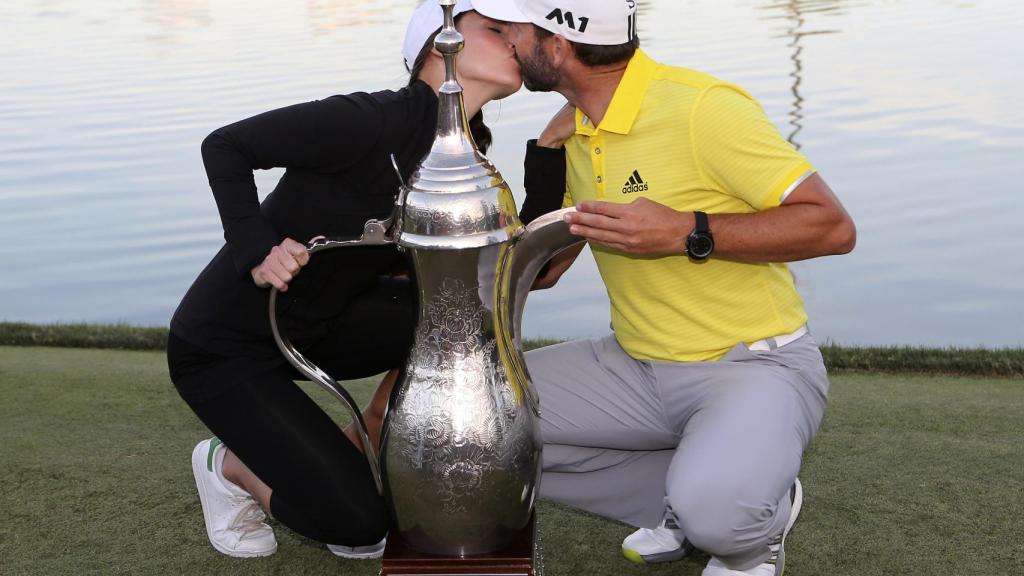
625,104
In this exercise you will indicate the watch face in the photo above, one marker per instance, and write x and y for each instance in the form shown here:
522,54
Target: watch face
700,246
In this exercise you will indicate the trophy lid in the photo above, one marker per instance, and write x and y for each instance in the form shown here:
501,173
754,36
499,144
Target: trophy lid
456,198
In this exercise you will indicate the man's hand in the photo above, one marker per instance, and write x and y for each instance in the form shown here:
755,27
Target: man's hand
282,264
641,228
560,128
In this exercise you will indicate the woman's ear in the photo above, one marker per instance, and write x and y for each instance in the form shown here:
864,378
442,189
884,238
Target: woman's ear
433,59
432,70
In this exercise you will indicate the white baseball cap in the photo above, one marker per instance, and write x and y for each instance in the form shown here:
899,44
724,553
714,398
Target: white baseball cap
597,22
429,18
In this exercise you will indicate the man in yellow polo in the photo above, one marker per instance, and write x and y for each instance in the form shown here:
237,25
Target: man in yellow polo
691,419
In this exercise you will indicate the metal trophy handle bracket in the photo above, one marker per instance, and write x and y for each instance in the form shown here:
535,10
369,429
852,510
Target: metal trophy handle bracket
375,233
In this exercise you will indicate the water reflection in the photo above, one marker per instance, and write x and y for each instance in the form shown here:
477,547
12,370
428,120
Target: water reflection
326,16
175,21
793,12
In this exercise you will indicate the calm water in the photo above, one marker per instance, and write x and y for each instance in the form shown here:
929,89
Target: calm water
910,109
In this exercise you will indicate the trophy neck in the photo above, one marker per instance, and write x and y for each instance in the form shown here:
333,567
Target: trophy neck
456,198
453,134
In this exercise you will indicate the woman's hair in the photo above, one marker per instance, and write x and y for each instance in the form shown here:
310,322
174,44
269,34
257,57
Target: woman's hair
481,133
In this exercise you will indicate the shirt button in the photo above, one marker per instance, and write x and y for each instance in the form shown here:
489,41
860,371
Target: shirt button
597,150
599,179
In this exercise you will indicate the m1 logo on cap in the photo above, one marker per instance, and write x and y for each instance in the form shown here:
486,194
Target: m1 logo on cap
567,19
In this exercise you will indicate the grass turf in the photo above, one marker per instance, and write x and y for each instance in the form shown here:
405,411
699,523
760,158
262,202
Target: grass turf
909,475
993,362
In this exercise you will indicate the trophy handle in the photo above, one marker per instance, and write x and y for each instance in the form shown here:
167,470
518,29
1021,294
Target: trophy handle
375,233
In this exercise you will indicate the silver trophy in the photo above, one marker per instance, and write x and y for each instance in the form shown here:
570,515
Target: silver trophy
460,446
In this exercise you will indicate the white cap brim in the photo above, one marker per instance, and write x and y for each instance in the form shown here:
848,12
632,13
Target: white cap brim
505,10
429,17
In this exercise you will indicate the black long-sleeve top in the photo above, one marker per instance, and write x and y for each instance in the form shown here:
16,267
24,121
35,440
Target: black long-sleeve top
338,174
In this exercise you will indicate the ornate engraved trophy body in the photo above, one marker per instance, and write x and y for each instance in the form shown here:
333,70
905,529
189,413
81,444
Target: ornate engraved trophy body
460,449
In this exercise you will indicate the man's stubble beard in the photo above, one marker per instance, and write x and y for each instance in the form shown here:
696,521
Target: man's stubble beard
538,74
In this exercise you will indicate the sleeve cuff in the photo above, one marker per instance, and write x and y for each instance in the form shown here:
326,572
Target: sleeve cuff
544,180
543,151
789,181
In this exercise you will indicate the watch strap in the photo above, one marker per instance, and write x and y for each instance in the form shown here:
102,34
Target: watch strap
701,222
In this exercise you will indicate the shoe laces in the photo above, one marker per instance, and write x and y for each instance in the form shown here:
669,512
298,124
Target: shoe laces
666,538
668,518
775,544
249,517
669,521
668,533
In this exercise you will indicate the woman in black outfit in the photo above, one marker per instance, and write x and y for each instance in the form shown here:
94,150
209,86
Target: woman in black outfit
351,313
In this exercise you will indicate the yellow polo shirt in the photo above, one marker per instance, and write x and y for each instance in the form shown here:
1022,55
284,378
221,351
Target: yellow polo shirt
691,142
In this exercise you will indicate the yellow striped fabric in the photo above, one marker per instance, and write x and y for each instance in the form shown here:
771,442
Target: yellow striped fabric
691,142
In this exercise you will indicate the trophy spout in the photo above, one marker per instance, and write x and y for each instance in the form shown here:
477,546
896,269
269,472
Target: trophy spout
542,240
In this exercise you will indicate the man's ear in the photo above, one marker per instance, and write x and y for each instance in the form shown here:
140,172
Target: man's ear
560,51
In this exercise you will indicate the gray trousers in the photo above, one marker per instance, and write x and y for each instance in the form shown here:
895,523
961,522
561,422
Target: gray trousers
721,442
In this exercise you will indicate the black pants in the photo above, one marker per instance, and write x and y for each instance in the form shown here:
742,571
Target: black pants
322,486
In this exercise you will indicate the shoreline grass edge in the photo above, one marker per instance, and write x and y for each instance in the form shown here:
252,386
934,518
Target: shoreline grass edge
991,362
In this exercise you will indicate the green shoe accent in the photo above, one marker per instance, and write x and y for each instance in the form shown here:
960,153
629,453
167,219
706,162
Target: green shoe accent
214,443
633,556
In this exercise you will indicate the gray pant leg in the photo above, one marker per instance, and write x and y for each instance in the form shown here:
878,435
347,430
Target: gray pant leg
606,446
742,444
627,485
736,430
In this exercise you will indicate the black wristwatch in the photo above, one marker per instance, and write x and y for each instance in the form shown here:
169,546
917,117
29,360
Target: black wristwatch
700,243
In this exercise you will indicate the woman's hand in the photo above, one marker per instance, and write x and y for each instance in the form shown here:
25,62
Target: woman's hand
282,264
561,127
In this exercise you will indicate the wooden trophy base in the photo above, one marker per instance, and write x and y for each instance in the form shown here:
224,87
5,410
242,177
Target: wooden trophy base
516,560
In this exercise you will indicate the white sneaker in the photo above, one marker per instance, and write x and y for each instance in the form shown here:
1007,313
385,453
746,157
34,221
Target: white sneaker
666,543
234,520
359,552
776,563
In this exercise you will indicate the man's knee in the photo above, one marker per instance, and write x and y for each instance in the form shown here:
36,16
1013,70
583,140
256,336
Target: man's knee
715,519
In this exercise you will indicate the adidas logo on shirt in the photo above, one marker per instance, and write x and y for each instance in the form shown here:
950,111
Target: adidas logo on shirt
634,184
